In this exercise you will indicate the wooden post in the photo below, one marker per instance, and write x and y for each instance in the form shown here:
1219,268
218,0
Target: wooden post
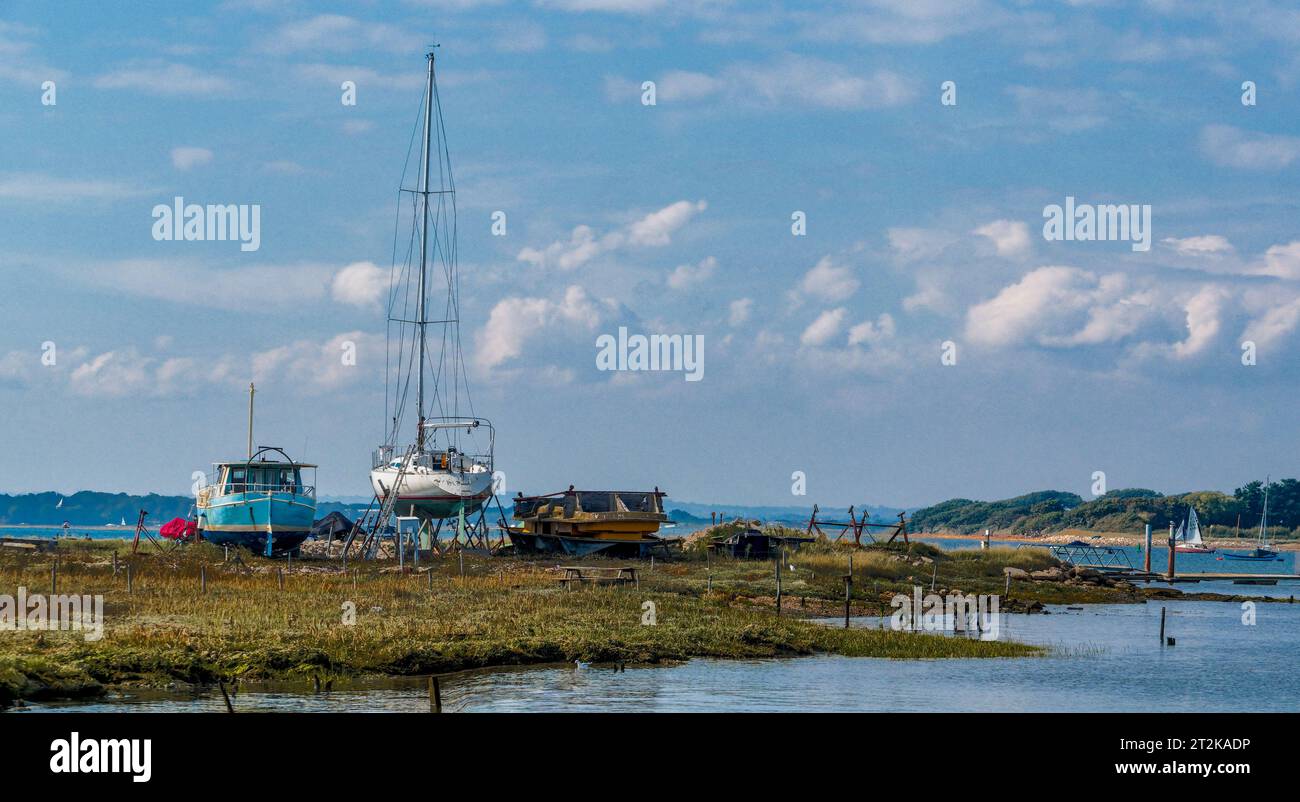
128,577
279,578
1172,552
114,562
203,579
435,695
431,579
1146,545
54,577
778,589
221,683
848,590
1007,590
652,563
933,576
1162,626
460,553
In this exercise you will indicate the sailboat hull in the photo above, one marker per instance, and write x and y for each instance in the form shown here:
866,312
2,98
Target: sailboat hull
1260,555
434,494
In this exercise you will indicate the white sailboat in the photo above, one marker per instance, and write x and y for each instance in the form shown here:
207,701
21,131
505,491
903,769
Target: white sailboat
446,469
1188,540
1263,545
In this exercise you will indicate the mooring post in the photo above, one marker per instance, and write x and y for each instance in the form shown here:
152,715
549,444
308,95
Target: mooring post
778,589
221,683
1172,551
1162,626
435,695
1146,547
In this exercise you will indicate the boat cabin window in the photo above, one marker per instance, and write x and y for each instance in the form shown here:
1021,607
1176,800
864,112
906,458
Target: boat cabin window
597,502
237,482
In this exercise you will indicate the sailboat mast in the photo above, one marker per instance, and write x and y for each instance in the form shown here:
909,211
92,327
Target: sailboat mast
421,321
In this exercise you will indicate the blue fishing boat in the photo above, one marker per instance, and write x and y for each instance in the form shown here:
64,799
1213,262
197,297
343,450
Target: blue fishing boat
260,503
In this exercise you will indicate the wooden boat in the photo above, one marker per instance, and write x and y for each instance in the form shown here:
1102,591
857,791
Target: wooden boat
1263,551
1188,539
260,503
579,522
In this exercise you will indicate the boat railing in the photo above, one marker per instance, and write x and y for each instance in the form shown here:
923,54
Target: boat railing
274,487
444,459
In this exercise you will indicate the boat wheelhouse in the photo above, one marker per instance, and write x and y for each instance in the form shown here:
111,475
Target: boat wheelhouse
619,523
262,503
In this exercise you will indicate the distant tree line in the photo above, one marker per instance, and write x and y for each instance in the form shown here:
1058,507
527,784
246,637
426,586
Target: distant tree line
91,508
1120,511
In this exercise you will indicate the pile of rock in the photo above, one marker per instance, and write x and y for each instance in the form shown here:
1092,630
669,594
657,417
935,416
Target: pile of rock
1071,575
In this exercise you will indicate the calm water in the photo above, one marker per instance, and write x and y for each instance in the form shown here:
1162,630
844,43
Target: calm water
1104,658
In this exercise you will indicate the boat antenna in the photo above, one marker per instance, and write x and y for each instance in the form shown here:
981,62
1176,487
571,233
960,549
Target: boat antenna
251,392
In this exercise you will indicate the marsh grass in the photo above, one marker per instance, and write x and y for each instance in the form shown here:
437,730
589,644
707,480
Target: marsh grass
502,612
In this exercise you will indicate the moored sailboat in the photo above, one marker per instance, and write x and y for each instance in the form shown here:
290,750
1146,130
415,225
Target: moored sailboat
1263,550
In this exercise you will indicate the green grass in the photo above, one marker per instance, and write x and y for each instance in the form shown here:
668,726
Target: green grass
503,612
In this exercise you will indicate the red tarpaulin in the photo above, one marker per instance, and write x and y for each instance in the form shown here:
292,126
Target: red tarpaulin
178,529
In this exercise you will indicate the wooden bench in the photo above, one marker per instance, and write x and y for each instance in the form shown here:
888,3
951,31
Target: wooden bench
577,574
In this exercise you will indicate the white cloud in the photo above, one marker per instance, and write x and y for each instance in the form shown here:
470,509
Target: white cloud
828,281
1282,261
1274,324
43,188
656,228
824,328
1228,146
362,284
515,321
112,374
1009,237
686,275
739,310
1205,245
335,32
929,294
871,333
186,157
1203,321
1058,306
162,78
653,230
199,284
788,81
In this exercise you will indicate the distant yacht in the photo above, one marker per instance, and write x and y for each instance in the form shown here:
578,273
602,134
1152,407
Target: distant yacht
1188,538
1263,550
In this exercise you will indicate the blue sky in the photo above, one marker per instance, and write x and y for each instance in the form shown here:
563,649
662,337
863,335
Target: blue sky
822,352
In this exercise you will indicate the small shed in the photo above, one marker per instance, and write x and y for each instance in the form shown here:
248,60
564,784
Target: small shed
756,544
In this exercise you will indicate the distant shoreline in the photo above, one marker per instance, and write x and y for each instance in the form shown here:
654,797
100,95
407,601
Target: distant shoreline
1102,538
